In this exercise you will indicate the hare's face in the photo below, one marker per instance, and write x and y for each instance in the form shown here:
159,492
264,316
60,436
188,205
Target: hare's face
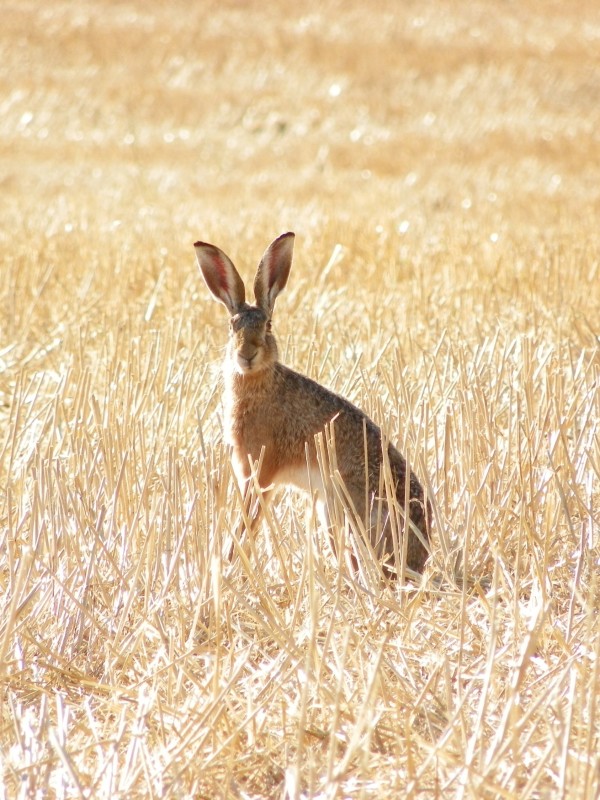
252,346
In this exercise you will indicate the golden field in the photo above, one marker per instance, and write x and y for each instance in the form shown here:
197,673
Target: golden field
440,165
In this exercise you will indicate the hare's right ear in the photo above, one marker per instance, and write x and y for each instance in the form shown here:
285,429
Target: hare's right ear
273,271
221,277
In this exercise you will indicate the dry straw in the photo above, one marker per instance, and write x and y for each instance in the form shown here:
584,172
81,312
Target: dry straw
440,167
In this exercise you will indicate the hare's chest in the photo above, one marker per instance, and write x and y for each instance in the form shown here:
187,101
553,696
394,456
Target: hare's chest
247,428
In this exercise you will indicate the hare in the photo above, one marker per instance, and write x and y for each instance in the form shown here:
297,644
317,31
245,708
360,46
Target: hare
274,415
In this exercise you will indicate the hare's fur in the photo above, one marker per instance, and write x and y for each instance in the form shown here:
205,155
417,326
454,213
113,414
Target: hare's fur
273,414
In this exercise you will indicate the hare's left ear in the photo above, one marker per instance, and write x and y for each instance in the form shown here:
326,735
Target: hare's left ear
273,271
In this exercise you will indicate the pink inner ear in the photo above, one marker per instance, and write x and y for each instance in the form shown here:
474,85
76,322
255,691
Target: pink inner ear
221,276
216,273
221,270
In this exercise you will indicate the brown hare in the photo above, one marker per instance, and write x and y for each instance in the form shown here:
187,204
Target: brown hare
273,414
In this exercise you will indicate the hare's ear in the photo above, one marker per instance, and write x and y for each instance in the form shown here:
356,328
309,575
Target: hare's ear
273,271
221,277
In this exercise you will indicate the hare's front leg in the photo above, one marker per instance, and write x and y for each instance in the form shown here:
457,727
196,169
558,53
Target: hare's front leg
248,474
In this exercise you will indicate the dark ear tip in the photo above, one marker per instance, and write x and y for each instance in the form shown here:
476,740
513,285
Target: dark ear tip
199,244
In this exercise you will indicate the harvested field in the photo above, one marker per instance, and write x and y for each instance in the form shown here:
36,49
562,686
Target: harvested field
440,165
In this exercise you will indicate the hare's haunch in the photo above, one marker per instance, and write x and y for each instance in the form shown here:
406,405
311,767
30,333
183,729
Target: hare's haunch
276,413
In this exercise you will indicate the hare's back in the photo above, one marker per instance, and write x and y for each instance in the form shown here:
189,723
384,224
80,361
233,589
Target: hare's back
312,406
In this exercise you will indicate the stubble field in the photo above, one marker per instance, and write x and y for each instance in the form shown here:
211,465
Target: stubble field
440,165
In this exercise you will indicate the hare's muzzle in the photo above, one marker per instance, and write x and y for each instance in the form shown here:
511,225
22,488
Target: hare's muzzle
247,355
245,362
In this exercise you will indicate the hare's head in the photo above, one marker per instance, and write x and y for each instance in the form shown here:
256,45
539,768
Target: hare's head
252,346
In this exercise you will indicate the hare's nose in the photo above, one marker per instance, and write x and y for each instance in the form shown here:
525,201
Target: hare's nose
245,359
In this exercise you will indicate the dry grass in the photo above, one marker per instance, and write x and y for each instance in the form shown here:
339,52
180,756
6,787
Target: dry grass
440,163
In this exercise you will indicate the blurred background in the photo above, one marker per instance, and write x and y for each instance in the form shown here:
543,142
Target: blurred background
195,115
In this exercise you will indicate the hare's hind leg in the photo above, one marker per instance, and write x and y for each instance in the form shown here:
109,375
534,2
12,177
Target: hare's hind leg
399,543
